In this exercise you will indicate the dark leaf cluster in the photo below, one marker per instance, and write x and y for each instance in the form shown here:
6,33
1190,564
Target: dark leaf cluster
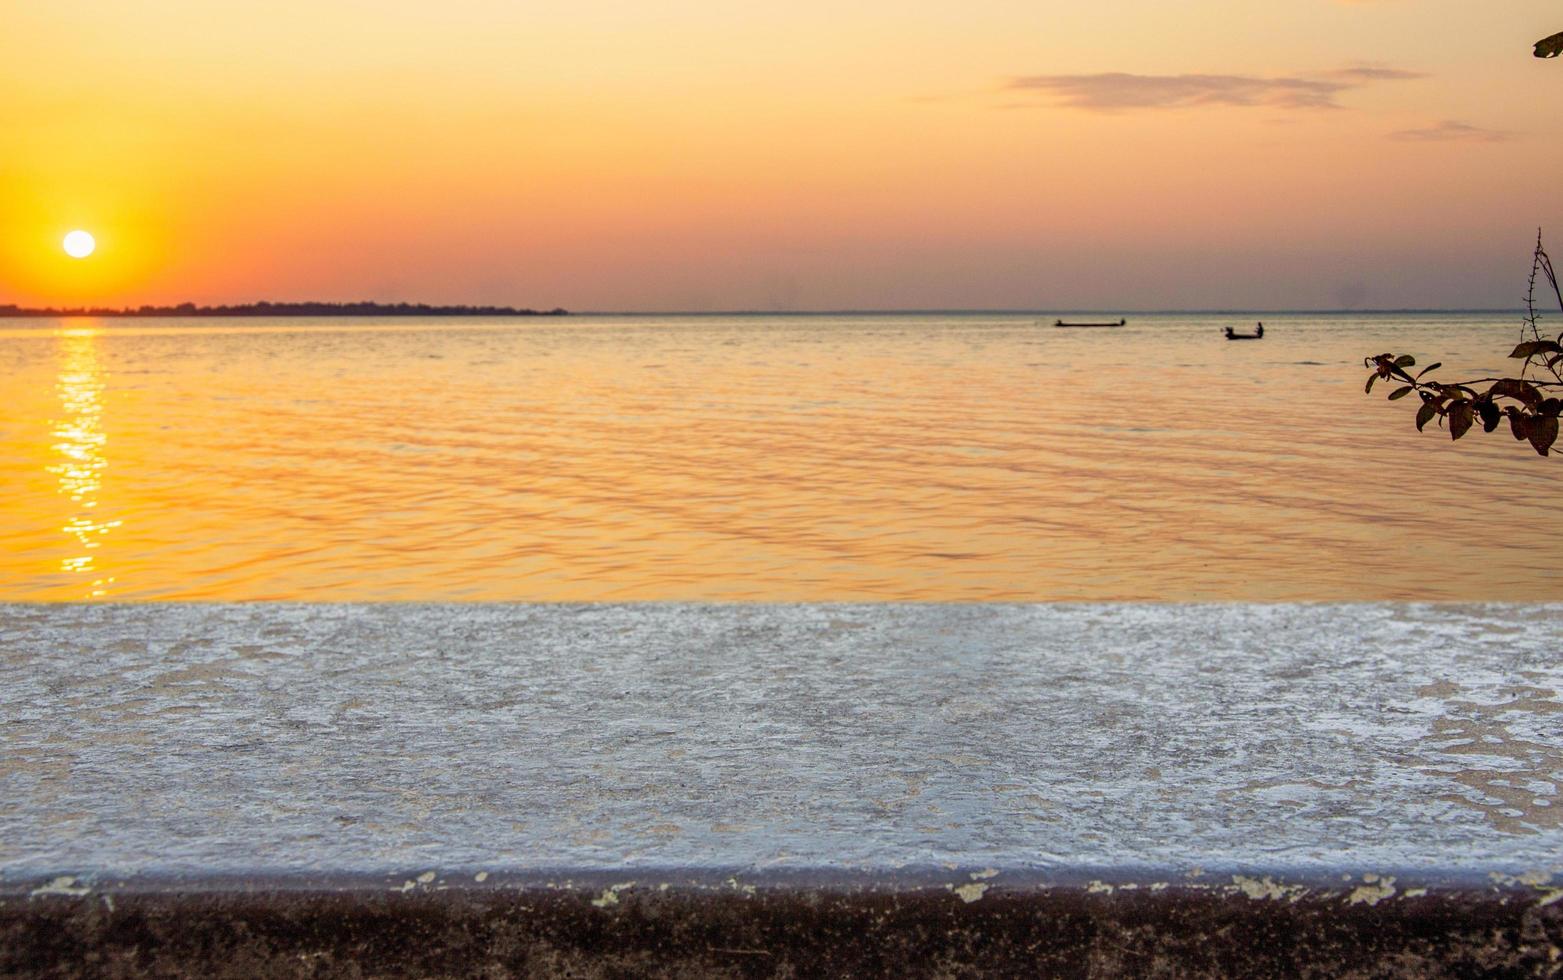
1529,401
1532,414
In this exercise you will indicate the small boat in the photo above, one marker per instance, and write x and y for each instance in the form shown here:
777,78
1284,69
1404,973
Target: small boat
1258,334
1061,323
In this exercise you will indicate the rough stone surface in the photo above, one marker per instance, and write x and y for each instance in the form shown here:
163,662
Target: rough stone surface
1369,781
791,932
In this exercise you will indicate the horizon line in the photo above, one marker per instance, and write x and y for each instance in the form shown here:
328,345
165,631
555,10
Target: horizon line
1008,311
495,311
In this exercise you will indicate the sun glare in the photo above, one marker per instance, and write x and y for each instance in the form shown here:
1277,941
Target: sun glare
79,244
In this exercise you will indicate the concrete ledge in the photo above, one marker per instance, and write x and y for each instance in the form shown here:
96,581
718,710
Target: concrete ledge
772,790
671,927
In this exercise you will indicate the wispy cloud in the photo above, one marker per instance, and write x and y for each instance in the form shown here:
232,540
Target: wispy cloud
1122,91
1452,131
1371,73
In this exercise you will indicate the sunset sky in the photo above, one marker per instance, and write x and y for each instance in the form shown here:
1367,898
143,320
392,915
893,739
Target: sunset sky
693,155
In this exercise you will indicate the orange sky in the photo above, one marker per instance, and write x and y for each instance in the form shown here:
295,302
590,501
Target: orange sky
1117,154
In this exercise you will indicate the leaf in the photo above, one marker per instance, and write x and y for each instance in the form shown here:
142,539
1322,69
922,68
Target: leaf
1490,415
1514,388
1425,415
1400,393
1531,348
1550,47
1371,378
1543,433
1431,367
1405,360
1519,424
1461,415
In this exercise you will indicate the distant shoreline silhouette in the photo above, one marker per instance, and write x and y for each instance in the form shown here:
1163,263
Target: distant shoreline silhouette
278,309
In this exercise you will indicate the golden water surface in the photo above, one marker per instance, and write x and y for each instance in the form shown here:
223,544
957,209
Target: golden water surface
975,457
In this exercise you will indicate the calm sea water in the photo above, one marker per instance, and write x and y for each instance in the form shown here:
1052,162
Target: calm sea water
975,457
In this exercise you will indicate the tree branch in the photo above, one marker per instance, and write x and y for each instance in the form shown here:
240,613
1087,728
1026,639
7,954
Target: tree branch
1530,408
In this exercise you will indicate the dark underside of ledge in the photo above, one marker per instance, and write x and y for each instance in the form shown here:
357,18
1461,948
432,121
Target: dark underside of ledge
790,930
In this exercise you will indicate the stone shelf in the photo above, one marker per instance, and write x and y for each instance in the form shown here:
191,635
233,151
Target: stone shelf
757,789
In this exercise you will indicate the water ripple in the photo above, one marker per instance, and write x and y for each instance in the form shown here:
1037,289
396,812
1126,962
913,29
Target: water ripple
753,458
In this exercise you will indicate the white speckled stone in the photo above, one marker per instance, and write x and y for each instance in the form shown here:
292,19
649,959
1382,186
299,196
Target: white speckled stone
275,739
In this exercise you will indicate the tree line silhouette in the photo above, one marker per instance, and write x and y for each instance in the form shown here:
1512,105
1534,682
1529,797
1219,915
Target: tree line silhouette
280,309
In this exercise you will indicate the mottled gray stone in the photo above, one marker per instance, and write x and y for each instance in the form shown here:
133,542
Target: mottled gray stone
1342,743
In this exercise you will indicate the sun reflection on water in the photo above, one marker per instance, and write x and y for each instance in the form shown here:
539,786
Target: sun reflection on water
79,446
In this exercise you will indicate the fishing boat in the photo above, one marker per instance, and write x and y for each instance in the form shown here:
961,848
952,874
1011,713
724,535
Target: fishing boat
1258,334
1062,323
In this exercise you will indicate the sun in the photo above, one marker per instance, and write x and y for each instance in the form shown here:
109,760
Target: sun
79,244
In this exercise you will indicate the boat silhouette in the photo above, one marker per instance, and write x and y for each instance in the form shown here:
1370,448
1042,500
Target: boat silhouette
1062,323
1258,334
